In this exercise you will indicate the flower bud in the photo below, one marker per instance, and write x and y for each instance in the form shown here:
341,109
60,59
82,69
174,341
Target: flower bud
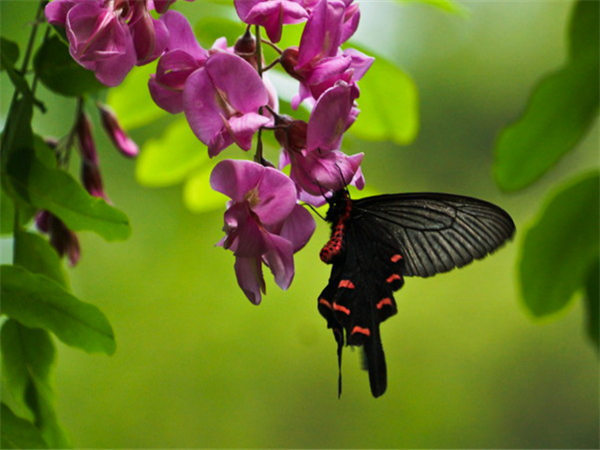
115,132
288,60
64,240
290,133
245,47
91,179
87,147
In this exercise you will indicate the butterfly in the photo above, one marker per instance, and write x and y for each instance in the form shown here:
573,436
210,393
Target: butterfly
377,241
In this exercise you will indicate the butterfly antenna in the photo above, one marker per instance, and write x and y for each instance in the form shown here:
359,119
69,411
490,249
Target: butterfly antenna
314,210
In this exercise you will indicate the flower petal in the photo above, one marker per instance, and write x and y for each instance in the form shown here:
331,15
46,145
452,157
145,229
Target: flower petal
280,259
276,197
250,278
200,106
181,35
235,178
243,128
298,227
322,33
330,117
238,81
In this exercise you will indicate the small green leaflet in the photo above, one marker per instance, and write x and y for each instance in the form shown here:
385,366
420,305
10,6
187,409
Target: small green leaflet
18,433
559,249
37,301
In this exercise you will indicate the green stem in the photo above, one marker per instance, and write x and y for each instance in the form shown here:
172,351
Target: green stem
24,67
258,156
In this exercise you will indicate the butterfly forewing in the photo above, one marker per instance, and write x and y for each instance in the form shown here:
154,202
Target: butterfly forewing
435,232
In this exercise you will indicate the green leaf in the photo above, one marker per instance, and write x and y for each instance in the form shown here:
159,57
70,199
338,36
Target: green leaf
449,6
561,109
592,302
559,248
17,432
37,301
198,196
7,213
35,254
59,193
170,158
131,99
17,136
58,71
27,353
9,53
27,358
388,103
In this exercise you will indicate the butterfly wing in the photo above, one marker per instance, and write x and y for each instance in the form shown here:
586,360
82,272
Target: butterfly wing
435,232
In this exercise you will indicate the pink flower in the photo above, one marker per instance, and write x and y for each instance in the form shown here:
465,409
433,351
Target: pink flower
318,166
90,166
109,38
271,14
263,223
221,101
184,55
319,63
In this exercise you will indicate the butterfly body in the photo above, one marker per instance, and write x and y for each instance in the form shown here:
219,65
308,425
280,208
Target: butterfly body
377,241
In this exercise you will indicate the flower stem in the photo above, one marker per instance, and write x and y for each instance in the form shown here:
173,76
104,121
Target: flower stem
258,156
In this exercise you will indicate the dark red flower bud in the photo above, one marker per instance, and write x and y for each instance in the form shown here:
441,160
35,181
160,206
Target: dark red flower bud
91,179
290,133
87,147
42,221
288,60
120,139
64,240
245,47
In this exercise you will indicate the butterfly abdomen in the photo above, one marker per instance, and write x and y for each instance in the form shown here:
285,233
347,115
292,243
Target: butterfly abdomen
334,246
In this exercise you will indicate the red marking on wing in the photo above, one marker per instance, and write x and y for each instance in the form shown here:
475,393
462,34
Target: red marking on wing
393,277
322,301
341,308
383,302
361,330
395,258
346,284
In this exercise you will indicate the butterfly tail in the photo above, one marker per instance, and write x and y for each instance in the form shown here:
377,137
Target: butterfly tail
375,363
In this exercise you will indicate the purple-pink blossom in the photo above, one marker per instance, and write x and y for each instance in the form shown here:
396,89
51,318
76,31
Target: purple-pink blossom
318,166
183,56
318,63
263,223
109,38
221,102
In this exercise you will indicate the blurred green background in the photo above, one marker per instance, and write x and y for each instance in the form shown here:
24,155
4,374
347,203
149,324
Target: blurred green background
198,366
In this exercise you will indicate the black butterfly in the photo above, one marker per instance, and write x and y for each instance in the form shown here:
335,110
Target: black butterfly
376,241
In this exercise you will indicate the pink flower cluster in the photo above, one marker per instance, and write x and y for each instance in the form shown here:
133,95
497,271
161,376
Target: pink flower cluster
109,37
227,98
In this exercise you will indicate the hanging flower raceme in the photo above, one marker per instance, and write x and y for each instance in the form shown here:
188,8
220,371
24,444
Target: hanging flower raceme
318,166
263,223
221,102
90,168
